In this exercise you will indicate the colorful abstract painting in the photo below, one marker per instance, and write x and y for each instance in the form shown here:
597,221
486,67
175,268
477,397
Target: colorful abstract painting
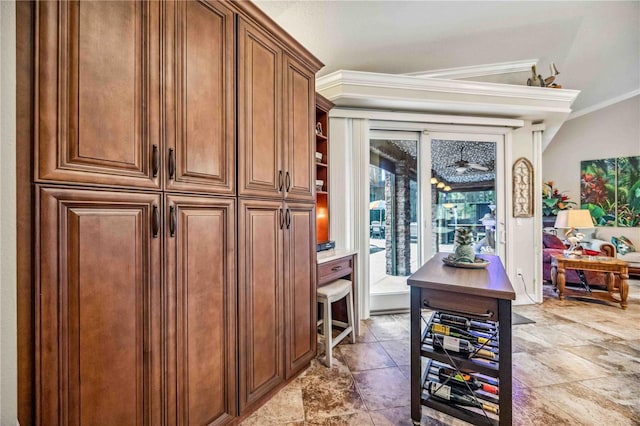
628,194
598,190
610,190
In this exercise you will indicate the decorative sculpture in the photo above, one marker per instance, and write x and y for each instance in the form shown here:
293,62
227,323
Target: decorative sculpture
537,80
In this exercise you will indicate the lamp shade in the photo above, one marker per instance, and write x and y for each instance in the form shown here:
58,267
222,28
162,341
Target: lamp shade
440,185
574,219
434,180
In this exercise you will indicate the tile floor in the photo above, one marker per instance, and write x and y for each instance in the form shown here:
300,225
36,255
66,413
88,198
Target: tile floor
578,364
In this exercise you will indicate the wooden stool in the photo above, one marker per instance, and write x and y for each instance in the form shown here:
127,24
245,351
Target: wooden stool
327,294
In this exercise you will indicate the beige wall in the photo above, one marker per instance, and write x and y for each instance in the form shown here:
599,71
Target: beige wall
606,133
8,333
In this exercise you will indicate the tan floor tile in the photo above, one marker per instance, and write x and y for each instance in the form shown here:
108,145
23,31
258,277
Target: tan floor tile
383,388
586,406
623,390
537,409
285,407
398,350
323,399
552,367
356,419
365,356
613,361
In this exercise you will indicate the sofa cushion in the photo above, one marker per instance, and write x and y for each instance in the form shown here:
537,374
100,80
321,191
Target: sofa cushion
623,245
551,241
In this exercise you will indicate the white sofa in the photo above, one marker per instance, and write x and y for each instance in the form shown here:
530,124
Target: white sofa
632,258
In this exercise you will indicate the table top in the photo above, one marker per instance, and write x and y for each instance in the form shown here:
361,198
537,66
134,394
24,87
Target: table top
333,254
491,281
589,260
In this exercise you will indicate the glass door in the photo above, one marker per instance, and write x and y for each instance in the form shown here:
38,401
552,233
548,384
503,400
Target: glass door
465,177
393,218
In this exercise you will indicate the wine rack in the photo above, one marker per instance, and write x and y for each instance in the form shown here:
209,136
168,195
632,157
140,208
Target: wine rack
484,369
481,354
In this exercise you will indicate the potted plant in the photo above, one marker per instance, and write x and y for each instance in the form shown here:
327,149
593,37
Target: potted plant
552,202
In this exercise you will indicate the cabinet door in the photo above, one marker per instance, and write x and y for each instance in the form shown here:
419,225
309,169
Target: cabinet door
260,298
200,143
260,168
300,286
200,277
99,313
299,133
98,93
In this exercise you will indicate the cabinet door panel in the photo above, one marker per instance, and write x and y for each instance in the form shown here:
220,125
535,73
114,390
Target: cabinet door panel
200,271
98,93
259,115
299,113
99,314
201,83
260,299
300,287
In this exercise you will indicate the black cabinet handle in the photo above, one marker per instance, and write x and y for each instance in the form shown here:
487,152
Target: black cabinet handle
288,179
288,218
172,164
155,223
155,160
280,182
281,218
172,221
336,268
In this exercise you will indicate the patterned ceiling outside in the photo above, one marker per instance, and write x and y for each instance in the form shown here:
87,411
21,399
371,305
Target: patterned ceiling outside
445,153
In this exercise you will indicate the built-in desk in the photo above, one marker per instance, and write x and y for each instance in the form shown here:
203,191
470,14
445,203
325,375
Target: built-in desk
483,296
340,263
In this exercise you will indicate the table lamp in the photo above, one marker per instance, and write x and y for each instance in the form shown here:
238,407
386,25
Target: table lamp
573,219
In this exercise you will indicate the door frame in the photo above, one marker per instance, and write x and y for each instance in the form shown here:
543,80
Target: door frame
396,301
360,132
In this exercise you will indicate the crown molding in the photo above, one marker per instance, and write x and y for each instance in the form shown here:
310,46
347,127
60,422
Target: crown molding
478,70
343,78
604,104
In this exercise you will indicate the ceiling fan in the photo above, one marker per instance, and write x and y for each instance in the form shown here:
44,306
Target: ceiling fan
463,165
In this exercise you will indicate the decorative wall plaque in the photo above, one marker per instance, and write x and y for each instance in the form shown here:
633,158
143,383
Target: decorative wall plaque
523,188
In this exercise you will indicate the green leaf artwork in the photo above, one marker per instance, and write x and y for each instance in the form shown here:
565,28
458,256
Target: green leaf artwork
610,190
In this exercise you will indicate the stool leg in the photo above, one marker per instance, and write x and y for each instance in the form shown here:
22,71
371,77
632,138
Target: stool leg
350,316
328,347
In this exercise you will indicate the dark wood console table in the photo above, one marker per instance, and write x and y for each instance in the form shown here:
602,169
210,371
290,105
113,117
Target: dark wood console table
481,295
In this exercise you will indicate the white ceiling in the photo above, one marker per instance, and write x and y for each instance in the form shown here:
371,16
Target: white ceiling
595,45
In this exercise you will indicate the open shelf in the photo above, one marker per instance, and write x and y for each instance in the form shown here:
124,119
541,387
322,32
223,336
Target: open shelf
323,106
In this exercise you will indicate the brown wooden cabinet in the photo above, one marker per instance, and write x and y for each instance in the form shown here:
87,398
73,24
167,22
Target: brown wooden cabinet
260,298
98,93
142,317
260,157
300,286
200,77
201,289
277,303
274,153
299,100
99,314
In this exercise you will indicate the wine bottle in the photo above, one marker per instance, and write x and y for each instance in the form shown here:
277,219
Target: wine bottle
462,322
455,344
448,330
448,394
458,379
